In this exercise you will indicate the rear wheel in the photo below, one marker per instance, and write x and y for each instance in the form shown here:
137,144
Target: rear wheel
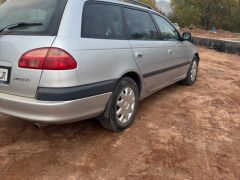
122,107
192,72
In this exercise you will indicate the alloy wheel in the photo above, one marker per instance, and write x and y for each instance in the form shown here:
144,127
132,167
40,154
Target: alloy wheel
126,103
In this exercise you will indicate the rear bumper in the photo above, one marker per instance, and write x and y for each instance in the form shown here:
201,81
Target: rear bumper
53,112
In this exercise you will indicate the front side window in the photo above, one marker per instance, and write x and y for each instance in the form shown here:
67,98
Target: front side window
140,25
46,13
102,21
169,33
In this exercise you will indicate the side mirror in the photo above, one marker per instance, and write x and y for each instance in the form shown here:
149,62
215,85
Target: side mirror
186,36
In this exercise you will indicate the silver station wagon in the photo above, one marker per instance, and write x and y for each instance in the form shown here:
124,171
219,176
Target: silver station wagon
68,60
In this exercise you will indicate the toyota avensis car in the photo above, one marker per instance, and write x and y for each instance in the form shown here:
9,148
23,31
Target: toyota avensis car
68,60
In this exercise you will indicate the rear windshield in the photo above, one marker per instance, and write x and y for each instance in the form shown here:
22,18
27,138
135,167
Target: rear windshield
48,13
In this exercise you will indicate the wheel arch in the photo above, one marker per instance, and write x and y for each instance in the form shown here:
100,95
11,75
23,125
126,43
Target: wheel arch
197,55
136,77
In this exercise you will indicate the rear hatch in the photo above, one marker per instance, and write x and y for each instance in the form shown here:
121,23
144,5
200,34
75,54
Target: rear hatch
14,80
43,18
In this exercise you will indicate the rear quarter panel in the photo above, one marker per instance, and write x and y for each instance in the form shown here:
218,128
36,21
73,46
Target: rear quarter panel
98,59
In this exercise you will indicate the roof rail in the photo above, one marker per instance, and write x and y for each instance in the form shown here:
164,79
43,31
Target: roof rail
138,3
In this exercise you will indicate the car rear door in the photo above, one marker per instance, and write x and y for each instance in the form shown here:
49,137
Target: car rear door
150,53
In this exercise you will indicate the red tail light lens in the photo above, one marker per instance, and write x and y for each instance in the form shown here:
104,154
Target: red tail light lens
47,59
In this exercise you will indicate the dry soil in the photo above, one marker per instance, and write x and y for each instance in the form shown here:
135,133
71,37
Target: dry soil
180,132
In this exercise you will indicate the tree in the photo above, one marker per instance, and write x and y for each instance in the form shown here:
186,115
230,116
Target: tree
207,13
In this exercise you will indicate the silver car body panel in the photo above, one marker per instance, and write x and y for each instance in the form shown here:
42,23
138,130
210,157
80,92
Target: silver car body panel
157,55
53,112
98,60
23,82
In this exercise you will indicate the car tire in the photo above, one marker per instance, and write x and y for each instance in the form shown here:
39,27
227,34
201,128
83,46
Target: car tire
192,72
122,106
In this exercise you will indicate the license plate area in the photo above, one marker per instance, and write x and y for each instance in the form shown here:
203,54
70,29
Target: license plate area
5,73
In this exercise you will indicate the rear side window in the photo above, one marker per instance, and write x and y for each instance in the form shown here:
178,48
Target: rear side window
140,25
102,21
48,13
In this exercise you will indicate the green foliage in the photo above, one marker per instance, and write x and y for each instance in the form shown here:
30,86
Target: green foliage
222,14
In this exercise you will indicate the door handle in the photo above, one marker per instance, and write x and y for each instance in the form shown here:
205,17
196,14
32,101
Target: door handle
138,54
170,51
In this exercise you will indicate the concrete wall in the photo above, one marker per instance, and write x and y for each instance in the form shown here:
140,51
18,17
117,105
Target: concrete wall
219,45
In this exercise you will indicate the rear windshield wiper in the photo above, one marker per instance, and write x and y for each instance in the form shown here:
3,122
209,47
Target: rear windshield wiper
18,25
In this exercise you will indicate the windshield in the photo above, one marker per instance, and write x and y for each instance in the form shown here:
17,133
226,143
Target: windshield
46,12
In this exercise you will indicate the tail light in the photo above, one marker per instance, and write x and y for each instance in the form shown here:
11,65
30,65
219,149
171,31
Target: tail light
47,59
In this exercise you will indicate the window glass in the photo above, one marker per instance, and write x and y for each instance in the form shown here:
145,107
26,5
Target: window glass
140,25
32,11
102,21
169,33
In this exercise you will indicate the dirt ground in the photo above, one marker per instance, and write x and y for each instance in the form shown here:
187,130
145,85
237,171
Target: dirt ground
224,35
179,133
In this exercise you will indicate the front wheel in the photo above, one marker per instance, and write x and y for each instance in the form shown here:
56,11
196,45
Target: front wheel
122,107
192,72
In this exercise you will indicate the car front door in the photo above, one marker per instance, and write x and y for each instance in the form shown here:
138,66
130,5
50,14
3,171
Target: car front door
178,56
